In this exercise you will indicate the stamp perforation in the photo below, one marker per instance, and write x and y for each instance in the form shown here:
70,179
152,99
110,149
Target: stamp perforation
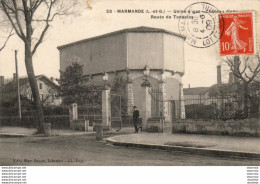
238,43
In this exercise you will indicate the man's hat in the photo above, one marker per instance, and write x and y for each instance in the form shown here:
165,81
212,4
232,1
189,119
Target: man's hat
135,107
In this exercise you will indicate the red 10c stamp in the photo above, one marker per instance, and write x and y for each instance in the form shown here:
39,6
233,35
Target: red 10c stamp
238,36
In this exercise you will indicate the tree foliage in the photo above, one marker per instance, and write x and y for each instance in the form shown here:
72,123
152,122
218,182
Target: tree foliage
74,87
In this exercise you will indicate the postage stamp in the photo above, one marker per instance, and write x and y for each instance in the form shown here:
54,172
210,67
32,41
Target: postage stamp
202,30
238,36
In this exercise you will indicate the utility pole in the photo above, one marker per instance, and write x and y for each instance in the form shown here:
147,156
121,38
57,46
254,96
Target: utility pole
18,87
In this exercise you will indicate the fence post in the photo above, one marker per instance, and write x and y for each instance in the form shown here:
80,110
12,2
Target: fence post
86,125
146,105
181,103
73,111
47,129
106,106
130,96
165,109
99,132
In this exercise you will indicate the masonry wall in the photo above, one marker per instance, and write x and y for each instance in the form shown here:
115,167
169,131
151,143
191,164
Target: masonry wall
172,88
156,50
145,49
173,53
132,50
97,55
247,127
172,83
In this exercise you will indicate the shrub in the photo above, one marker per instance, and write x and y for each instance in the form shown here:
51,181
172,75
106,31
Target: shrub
200,128
56,110
58,122
254,127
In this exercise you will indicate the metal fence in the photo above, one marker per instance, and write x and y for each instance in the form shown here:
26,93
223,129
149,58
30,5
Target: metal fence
216,108
156,102
93,113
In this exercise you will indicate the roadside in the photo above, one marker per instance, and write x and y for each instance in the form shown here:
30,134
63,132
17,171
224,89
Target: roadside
84,150
25,132
224,146
191,143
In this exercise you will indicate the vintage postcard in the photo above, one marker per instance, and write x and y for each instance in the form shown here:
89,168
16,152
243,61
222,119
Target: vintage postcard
129,83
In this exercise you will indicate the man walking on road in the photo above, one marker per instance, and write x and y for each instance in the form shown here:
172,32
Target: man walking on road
135,118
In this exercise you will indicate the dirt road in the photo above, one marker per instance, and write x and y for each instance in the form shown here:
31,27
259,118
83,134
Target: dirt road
85,150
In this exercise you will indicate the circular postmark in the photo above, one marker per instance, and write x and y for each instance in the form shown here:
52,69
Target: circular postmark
201,24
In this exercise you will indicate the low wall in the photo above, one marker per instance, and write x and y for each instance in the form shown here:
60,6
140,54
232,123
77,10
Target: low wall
156,125
105,128
80,124
247,127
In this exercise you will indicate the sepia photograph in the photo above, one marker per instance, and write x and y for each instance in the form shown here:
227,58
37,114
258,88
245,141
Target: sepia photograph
129,83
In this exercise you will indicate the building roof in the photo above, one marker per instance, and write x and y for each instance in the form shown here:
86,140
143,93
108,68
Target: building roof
195,91
23,81
142,29
225,88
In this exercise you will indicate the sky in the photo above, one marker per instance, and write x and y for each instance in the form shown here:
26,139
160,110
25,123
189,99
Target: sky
200,63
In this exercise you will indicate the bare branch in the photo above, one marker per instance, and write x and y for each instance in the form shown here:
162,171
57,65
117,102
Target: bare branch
45,28
41,39
7,13
245,67
33,7
17,20
62,10
9,8
10,34
255,72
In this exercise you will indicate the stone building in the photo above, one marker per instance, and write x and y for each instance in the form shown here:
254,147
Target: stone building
135,54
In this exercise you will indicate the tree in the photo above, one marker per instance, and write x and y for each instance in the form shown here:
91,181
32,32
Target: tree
247,74
74,87
31,20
